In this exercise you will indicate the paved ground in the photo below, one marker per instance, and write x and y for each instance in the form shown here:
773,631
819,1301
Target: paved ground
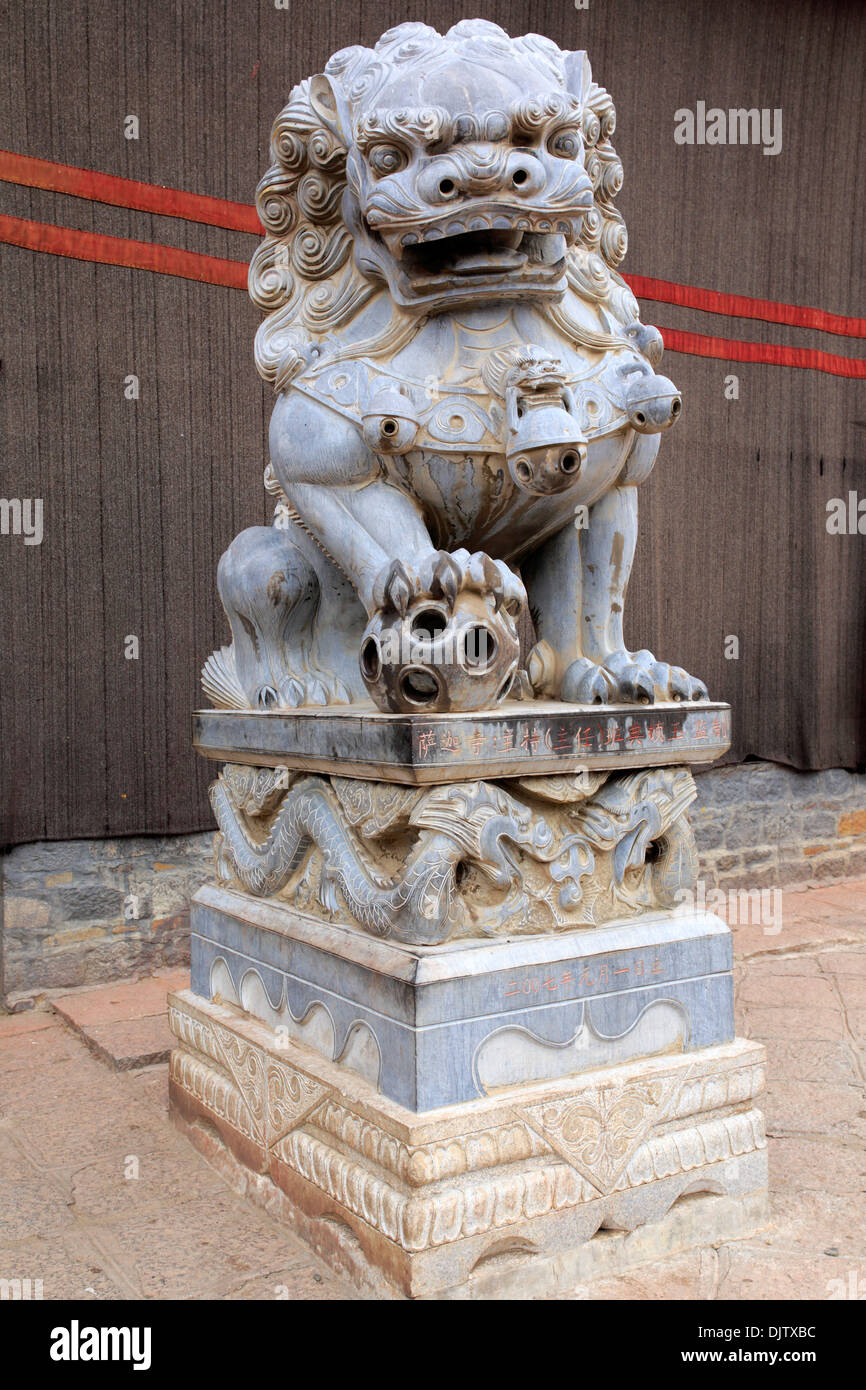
100,1198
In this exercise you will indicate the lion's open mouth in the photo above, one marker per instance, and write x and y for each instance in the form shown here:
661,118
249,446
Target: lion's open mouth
490,252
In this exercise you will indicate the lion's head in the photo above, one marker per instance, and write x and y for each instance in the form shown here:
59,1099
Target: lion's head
434,170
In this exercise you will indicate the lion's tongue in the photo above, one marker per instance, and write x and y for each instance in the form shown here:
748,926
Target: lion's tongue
484,262
481,253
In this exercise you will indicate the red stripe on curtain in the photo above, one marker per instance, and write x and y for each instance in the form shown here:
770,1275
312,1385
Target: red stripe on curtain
742,307
127,193
771,354
112,250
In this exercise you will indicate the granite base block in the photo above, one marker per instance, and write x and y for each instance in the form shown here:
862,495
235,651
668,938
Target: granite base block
532,1188
438,1025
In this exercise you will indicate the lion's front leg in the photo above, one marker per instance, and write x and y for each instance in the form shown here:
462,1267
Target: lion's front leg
577,590
442,630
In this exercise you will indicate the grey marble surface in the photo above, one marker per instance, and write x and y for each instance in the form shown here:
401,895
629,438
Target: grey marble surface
432,1026
541,736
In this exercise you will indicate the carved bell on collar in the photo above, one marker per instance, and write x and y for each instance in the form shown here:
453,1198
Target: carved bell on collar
545,446
653,402
390,422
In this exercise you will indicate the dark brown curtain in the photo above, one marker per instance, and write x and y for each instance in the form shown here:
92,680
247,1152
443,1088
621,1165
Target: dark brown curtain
140,497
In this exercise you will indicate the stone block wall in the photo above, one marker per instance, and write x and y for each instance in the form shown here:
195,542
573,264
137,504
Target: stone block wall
81,912
759,825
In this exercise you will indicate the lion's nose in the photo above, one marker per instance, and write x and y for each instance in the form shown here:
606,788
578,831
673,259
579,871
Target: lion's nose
523,174
482,170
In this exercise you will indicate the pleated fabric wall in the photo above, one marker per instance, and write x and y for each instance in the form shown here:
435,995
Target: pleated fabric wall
141,496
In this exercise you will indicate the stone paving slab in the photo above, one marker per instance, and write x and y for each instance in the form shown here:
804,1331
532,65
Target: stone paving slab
124,1025
137,1042
101,1198
31,1021
808,918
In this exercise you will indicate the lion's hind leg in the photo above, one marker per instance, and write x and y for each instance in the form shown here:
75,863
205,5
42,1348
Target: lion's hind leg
277,590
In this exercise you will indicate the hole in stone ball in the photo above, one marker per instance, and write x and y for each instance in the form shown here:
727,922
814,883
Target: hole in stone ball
419,687
371,660
389,427
428,625
569,463
523,469
479,647
676,406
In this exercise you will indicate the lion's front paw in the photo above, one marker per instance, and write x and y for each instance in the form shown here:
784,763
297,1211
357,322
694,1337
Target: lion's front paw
443,576
444,636
629,678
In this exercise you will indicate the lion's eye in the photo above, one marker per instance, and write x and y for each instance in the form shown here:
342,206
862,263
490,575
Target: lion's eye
387,159
565,144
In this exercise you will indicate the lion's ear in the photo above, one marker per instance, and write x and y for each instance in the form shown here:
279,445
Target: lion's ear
578,75
327,105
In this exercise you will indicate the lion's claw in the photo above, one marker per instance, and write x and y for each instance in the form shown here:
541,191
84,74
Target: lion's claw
445,576
394,588
584,683
682,686
629,678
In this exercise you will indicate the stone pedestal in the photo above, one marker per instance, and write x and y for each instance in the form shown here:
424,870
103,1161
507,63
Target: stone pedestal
521,1193
437,1025
457,1033
518,738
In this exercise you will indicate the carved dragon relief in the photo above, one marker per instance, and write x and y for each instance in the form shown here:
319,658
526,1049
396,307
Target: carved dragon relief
462,376
421,865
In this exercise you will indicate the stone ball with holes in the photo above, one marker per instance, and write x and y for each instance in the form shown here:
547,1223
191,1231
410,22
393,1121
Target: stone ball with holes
435,658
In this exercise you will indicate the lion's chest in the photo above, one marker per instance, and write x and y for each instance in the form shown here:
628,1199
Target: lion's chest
470,499
453,431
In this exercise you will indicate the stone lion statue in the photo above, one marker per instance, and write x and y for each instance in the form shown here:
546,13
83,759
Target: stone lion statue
466,401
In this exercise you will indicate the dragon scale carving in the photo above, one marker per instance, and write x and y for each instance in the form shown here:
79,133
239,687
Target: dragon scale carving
530,862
